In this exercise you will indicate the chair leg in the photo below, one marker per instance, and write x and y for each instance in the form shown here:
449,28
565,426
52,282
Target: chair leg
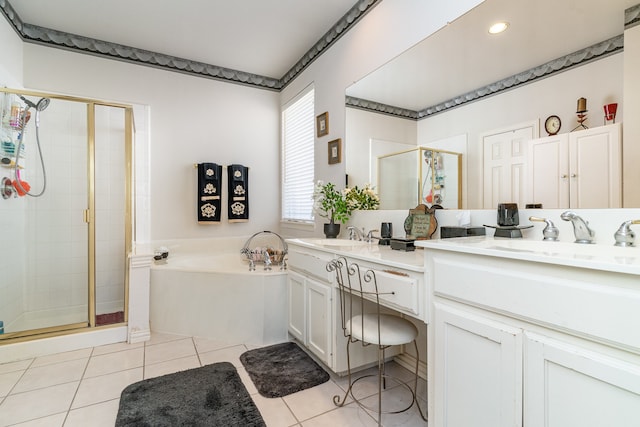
415,384
336,398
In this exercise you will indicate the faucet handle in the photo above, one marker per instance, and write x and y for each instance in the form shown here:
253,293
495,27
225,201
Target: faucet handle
550,232
625,236
370,236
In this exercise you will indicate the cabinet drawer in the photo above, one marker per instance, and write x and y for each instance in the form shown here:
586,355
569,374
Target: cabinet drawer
310,262
589,303
399,290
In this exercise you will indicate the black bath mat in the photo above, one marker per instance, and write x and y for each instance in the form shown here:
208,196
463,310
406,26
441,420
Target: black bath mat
212,395
282,369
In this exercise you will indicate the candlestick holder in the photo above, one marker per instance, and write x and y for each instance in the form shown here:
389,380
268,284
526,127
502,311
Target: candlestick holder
582,117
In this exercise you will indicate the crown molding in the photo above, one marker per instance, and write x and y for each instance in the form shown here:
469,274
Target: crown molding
76,43
580,57
632,17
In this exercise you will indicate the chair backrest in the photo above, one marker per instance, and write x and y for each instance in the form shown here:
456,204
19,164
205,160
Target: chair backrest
356,288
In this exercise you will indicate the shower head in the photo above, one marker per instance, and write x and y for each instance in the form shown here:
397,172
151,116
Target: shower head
40,106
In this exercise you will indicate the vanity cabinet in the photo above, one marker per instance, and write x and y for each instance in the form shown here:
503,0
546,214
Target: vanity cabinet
314,302
530,341
309,302
580,169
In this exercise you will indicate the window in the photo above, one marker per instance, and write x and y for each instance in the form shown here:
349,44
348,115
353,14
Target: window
297,158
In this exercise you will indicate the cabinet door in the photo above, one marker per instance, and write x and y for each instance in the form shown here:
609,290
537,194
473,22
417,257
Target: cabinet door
478,371
595,167
567,385
296,305
548,171
319,320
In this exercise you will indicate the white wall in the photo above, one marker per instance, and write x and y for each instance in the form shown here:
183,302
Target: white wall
191,120
631,129
386,31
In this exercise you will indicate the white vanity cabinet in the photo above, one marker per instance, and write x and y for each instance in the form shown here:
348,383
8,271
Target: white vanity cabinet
545,336
309,301
313,297
580,169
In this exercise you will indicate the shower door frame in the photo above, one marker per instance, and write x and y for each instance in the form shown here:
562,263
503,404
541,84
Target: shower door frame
89,217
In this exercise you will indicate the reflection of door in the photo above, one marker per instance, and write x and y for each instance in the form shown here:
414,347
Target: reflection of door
505,161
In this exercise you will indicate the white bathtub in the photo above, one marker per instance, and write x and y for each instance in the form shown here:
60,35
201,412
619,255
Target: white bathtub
214,295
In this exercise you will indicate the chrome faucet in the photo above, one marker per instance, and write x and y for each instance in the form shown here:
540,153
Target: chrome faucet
550,232
625,236
580,227
355,233
370,236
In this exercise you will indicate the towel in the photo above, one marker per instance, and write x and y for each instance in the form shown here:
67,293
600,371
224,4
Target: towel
209,203
238,182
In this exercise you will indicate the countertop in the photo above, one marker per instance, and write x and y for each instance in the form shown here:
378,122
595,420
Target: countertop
591,256
373,252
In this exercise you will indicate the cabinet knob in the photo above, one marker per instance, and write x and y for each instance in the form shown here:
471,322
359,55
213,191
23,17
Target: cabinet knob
564,175
573,175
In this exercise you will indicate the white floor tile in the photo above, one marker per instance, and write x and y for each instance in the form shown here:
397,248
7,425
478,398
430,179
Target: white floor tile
314,401
105,387
48,375
20,365
274,411
169,350
347,416
8,380
62,357
158,338
171,366
31,405
114,362
112,348
50,421
229,354
204,345
99,415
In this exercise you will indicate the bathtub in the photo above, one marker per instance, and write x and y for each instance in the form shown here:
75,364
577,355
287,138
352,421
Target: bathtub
206,293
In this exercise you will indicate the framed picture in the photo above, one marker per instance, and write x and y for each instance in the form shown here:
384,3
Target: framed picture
335,151
322,124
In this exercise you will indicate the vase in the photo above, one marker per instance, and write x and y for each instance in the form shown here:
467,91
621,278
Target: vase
331,230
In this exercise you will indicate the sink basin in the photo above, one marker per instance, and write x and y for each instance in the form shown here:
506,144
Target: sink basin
337,242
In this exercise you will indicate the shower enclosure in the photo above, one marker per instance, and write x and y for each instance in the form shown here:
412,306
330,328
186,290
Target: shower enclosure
65,212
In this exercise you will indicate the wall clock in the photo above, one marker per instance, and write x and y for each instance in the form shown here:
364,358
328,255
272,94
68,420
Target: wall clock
552,125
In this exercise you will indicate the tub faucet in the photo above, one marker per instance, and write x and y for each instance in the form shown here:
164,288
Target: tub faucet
355,233
625,236
581,229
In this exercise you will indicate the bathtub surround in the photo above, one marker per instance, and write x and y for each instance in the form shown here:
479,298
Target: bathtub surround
267,365
212,395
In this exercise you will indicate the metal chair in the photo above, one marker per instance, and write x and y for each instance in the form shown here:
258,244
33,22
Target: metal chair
359,291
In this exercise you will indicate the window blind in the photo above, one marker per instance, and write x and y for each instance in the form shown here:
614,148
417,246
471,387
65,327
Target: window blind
297,159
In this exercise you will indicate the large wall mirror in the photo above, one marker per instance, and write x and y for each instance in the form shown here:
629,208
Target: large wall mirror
462,83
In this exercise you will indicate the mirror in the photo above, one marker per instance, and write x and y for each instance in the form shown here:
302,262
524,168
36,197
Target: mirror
434,80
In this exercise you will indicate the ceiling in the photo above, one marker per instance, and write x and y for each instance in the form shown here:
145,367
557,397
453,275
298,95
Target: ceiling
463,56
263,37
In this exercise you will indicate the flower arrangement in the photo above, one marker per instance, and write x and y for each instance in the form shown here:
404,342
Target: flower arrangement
337,206
364,199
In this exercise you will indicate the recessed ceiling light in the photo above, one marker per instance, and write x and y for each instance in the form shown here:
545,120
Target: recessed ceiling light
498,27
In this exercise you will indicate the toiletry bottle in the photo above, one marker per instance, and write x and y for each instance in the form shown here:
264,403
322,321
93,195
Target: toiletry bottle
14,120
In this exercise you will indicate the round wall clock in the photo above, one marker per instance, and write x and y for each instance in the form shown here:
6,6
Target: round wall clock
552,125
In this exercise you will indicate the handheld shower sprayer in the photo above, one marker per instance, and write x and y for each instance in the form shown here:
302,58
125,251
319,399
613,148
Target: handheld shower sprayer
41,105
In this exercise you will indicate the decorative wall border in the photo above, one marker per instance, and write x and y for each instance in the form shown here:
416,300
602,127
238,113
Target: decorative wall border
632,17
72,42
580,57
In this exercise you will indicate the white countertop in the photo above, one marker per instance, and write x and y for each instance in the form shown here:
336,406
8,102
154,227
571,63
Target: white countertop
373,252
591,256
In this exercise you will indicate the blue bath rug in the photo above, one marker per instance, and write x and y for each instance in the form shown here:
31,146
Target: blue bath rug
282,369
212,395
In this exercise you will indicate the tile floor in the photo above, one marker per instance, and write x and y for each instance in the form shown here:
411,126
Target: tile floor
82,388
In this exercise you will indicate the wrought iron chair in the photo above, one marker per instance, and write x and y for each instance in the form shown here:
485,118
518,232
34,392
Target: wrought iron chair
358,289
